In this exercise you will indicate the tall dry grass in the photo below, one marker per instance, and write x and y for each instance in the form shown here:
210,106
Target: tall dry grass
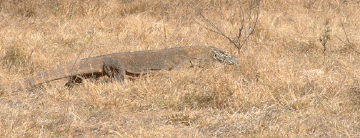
297,76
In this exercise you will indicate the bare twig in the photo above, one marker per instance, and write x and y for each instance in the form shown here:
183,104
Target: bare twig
238,41
347,43
255,23
342,25
218,31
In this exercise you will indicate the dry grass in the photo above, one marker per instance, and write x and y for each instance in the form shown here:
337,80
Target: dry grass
286,85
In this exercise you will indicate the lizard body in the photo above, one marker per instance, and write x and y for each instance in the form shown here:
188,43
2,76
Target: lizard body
118,64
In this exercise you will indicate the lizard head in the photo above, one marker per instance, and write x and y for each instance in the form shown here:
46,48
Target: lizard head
221,56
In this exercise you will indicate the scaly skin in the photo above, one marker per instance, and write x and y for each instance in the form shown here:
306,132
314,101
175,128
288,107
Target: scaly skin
119,64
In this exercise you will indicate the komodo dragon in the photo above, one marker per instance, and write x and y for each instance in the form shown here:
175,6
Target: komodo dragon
119,64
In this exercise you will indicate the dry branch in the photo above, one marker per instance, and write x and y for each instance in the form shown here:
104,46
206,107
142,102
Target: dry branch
238,41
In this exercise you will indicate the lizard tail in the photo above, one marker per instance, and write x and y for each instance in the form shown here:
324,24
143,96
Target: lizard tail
69,69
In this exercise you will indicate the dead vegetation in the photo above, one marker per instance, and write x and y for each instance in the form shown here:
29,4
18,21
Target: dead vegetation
297,77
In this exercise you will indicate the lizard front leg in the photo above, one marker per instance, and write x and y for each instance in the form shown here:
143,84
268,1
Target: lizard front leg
114,69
